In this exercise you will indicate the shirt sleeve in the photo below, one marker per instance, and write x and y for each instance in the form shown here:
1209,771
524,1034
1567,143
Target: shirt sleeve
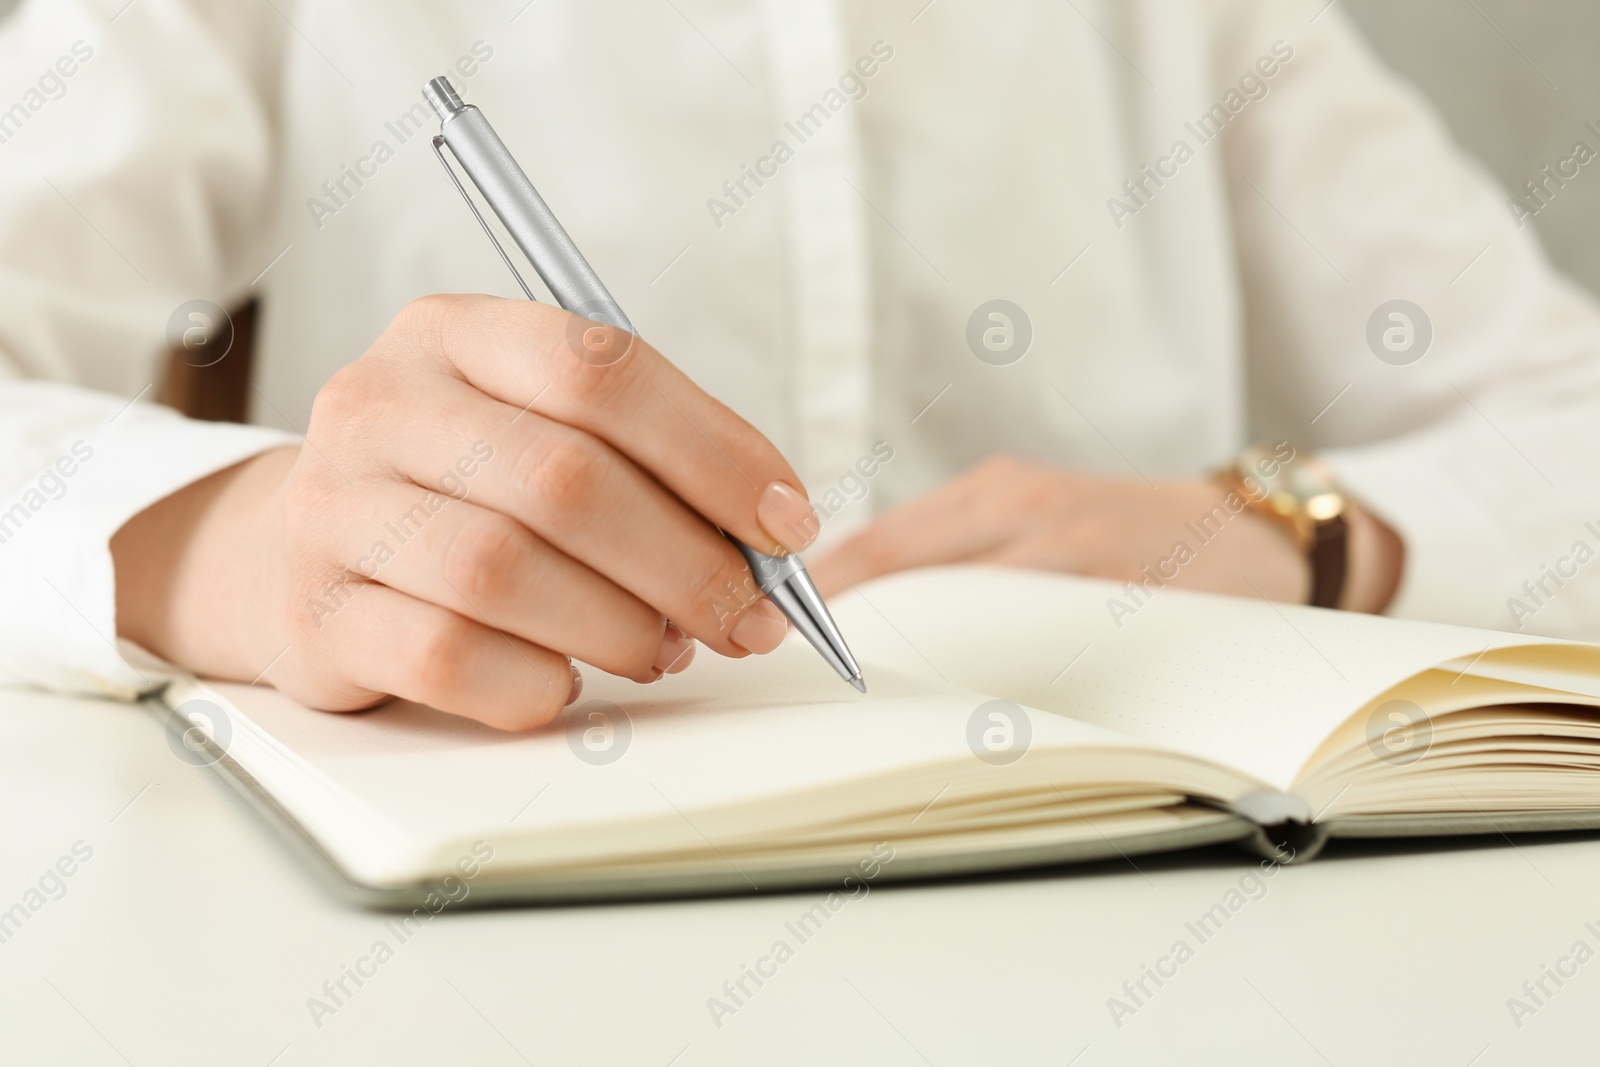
1402,320
135,154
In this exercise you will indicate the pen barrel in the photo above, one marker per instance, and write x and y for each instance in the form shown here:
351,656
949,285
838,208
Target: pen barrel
576,287
770,571
528,219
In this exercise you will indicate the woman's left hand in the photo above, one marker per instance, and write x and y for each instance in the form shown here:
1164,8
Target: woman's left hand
1023,513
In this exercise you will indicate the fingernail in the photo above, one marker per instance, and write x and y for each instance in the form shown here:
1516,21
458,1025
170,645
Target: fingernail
677,651
577,686
787,516
760,629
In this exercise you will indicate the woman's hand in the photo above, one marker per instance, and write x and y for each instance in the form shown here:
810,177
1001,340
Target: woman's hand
494,487
1026,514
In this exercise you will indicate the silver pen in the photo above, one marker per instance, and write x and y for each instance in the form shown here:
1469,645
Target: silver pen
532,225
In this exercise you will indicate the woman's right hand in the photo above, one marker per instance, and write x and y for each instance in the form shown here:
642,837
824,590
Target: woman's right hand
494,487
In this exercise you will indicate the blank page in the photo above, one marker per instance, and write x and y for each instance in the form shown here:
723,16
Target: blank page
1246,683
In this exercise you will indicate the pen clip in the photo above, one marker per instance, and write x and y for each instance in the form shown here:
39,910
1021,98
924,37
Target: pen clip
438,150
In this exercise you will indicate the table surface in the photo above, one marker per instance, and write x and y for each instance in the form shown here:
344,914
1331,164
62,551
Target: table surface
192,934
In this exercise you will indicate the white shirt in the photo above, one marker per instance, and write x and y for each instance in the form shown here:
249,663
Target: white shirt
932,160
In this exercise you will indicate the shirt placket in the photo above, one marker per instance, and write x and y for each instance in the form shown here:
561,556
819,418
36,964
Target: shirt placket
825,229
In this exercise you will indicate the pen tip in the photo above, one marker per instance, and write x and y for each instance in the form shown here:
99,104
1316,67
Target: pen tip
861,686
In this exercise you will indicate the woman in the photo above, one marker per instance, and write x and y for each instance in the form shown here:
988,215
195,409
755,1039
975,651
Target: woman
1082,253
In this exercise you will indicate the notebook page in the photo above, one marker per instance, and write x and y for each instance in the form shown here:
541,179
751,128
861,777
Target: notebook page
727,735
1248,684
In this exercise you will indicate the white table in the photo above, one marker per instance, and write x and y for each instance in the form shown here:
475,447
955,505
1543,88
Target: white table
194,936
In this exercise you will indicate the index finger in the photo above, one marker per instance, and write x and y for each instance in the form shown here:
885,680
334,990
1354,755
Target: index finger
616,387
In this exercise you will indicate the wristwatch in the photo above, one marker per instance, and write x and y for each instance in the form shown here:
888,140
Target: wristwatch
1297,493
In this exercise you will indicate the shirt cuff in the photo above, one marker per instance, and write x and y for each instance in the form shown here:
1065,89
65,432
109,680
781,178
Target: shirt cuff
91,463
1455,550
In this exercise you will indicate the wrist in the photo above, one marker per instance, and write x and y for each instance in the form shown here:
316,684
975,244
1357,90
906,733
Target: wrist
196,570
1377,559
1351,559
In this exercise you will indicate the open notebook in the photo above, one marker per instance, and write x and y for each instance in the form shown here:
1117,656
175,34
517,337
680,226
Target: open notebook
1013,720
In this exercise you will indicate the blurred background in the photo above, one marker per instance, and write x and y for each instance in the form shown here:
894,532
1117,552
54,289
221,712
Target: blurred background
1516,80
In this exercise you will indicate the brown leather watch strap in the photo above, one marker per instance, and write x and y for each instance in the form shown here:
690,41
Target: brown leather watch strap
1329,558
1298,495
